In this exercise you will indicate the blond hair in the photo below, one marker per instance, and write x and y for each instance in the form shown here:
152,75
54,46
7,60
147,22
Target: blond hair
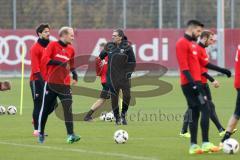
64,30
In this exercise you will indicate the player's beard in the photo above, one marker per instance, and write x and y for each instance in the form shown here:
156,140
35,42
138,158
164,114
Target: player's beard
46,38
194,37
43,41
207,44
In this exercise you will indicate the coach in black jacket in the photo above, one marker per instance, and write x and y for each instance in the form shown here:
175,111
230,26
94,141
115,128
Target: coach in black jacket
121,64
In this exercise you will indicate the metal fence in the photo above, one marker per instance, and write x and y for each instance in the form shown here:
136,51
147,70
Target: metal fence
21,14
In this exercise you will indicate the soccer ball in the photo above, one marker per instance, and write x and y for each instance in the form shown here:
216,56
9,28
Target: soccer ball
230,146
103,116
12,110
120,136
109,117
2,110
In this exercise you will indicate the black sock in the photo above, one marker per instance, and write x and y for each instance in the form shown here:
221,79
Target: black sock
69,127
185,122
115,107
222,129
126,101
124,110
226,136
36,111
205,122
214,117
68,116
193,124
90,112
35,123
116,112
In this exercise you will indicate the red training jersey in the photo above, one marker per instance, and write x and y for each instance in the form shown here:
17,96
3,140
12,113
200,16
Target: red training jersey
204,60
104,70
36,53
237,69
57,74
187,57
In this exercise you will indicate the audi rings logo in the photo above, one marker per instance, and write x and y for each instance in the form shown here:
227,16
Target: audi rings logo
20,47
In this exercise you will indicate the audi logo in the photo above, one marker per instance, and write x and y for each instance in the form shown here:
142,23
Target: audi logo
20,48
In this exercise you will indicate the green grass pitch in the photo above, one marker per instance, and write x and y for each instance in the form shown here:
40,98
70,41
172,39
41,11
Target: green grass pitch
148,138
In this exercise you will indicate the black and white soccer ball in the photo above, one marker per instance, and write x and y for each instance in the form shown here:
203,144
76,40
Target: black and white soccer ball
120,136
230,146
2,110
109,117
103,116
11,110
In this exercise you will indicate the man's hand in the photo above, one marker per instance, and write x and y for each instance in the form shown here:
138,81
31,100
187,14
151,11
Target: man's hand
74,82
215,84
68,66
103,62
5,86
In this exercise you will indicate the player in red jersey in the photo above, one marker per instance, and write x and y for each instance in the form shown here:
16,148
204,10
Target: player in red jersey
236,115
101,68
190,75
206,39
59,58
38,71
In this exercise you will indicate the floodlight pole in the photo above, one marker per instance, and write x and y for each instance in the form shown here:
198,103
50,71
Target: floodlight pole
159,14
14,15
70,13
220,34
124,14
232,14
178,14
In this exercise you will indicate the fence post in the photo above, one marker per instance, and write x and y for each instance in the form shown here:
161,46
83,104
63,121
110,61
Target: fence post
124,14
178,14
14,15
220,33
70,13
159,13
232,14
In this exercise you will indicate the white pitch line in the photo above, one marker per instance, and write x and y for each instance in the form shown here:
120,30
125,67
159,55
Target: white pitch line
79,151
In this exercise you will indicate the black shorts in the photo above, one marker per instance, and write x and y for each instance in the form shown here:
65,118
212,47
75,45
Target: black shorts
207,91
237,108
191,97
105,93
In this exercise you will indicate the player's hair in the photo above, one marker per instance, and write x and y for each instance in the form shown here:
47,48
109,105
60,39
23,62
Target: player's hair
206,33
194,23
121,34
40,28
64,30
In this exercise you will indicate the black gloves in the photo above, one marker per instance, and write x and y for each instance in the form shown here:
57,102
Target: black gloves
194,86
40,78
227,72
210,78
74,75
